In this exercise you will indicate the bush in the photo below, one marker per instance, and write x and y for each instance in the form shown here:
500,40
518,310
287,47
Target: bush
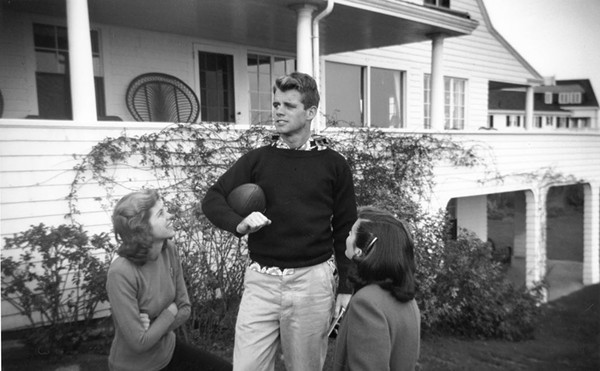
57,283
473,297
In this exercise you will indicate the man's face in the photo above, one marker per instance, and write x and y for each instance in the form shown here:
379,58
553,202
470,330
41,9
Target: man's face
289,114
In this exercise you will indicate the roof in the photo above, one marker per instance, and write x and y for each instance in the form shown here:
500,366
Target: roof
514,99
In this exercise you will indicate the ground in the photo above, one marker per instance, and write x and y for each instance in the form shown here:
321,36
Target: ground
568,338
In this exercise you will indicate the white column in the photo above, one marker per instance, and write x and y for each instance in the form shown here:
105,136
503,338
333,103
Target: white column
304,38
83,95
437,82
535,258
591,234
529,108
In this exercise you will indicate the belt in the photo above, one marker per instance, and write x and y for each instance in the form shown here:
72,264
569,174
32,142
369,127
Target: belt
273,271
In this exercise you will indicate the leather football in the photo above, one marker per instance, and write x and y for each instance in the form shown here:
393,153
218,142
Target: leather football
247,198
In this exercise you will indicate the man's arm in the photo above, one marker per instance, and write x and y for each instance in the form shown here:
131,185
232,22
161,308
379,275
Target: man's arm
344,216
214,203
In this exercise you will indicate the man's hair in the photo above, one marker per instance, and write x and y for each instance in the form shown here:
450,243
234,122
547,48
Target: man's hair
388,254
303,83
131,224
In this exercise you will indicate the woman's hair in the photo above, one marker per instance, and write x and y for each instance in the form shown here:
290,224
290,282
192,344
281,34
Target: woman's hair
131,224
305,84
387,257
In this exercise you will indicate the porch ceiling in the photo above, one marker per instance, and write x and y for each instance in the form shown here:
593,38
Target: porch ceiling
271,24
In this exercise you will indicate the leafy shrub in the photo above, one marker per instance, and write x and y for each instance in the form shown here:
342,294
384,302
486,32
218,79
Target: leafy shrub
473,297
57,283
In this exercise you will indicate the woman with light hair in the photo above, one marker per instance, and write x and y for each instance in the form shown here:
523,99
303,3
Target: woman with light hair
147,292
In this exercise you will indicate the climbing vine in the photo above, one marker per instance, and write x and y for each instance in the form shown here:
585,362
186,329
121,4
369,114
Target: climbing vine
393,171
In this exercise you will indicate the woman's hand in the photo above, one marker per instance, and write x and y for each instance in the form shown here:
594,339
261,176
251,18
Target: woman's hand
173,308
145,321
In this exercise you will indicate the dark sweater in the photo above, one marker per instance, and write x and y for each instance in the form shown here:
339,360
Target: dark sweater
310,201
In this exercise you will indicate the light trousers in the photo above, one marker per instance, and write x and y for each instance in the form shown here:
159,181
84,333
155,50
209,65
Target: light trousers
292,310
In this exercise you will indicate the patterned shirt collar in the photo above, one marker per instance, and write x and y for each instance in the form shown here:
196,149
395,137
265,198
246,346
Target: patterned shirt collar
314,143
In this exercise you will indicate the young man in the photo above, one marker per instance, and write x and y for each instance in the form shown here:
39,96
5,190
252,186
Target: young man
296,244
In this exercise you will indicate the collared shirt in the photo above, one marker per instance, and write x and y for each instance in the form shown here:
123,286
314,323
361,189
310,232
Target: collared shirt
314,143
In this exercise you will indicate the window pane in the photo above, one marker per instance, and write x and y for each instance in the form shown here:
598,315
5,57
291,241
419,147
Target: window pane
259,71
427,101
386,96
62,39
216,87
54,98
44,36
283,66
344,93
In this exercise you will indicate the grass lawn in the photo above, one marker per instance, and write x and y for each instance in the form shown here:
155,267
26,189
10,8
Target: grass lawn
568,338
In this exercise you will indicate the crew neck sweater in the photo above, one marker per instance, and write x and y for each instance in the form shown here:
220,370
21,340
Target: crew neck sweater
310,202
149,288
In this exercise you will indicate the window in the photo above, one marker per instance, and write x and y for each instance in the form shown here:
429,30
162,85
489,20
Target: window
386,97
569,98
538,122
440,3
562,122
262,72
427,101
454,102
548,97
217,102
364,96
513,121
52,72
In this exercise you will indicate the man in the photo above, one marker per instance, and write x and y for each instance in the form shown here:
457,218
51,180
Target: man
290,284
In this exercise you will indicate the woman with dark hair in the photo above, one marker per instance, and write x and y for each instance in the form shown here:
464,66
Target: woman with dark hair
147,292
381,328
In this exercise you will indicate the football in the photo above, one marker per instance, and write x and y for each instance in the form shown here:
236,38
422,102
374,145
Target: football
247,198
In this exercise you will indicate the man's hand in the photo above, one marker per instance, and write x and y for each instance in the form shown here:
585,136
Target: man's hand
341,301
252,223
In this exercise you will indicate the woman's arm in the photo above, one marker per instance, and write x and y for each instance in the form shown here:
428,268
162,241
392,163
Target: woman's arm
182,299
368,340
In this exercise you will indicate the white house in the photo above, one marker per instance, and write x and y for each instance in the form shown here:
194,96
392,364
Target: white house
407,66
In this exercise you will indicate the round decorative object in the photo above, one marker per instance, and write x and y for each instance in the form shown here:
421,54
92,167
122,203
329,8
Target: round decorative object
159,97
247,198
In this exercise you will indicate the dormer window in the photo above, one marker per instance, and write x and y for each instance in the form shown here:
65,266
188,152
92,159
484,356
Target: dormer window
548,97
569,98
440,3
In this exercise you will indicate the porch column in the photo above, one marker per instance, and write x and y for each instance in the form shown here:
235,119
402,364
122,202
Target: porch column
529,108
591,234
535,258
83,94
437,82
304,38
